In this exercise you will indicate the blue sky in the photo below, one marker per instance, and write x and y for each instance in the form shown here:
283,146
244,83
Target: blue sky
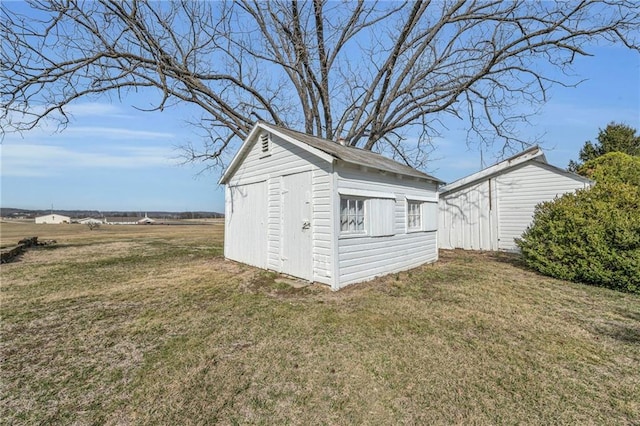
114,157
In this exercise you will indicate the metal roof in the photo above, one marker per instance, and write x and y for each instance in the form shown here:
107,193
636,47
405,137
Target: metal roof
350,154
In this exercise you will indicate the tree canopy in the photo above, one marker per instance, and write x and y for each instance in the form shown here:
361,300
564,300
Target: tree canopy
369,72
614,138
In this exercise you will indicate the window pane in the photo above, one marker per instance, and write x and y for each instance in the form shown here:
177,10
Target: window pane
413,215
351,215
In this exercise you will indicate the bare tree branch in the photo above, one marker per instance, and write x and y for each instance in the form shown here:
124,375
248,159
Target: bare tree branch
375,73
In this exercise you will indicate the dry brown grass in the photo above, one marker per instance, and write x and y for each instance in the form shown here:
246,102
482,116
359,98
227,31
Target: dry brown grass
140,324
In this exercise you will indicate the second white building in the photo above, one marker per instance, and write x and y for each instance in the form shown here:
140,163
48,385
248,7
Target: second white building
489,209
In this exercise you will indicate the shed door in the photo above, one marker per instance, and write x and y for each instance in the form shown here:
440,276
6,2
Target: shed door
246,224
296,225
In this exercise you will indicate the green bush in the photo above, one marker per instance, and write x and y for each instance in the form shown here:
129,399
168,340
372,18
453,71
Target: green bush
592,236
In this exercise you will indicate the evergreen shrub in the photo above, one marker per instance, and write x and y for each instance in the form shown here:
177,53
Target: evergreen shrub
592,236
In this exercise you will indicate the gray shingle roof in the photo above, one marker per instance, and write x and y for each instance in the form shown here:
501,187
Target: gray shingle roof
351,154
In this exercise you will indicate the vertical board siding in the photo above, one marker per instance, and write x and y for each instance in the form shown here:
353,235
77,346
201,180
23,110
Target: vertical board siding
520,190
283,159
468,221
465,218
246,220
273,224
296,248
366,257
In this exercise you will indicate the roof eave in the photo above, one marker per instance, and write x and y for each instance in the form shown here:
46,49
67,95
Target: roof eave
246,146
226,175
534,153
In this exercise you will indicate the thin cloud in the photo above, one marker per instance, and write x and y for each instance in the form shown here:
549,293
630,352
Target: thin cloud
117,133
35,160
86,133
93,109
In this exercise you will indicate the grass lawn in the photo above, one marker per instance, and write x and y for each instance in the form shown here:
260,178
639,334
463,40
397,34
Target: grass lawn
149,324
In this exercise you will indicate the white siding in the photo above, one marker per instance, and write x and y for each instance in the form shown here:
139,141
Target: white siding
53,218
489,214
321,224
465,220
520,190
285,158
245,232
274,214
335,261
365,257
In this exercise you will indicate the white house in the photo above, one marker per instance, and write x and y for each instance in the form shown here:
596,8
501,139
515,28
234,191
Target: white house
324,212
489,209
53,218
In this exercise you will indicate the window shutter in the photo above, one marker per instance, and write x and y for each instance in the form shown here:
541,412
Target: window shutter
430,216
380,216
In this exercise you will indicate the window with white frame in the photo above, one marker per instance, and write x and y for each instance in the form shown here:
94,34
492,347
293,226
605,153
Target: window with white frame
351,215
414,215
422,215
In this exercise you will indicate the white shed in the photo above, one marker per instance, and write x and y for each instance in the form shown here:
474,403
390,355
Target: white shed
53,219
489,209
324,212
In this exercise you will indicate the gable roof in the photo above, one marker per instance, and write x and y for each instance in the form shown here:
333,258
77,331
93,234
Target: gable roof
53,214
327,150
531,154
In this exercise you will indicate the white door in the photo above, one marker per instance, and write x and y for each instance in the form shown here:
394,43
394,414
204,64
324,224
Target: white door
246,224
296,225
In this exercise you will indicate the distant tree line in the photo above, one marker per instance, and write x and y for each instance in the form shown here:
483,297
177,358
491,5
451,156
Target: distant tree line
78,214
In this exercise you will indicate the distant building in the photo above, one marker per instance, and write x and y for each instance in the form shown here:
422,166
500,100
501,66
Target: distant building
146,220
53,219
120,220
489,209
88,220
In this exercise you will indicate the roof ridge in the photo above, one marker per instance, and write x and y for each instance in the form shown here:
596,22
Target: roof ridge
337,147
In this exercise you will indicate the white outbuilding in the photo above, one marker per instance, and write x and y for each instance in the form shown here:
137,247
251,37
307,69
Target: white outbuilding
53,218
323,212
90,221
489,209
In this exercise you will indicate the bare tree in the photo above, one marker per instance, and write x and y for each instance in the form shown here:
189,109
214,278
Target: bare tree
369,72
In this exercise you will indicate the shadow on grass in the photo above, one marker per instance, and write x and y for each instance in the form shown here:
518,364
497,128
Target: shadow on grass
17,258
622,332
513,259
